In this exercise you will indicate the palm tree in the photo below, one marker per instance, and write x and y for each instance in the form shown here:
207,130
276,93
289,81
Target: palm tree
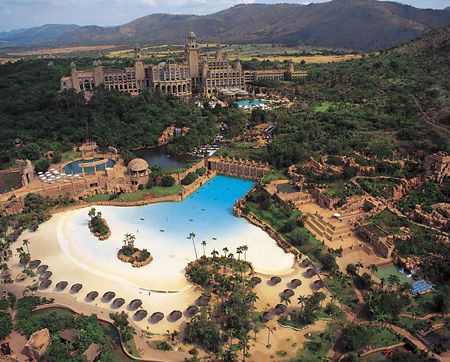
26,242
285,300
214,253
373,268
129,240
91,213
225,251
243,343
204,244
393,280
245,248
301,300
239,252
192,237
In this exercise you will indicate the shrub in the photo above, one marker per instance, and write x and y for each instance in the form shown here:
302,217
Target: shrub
189,178
167,181
5,325
354,337
200,171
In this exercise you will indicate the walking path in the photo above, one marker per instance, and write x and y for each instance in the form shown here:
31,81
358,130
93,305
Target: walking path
147,353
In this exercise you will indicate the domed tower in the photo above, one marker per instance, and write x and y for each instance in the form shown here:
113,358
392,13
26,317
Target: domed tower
98,73
74,76
192,57
290,68
139,67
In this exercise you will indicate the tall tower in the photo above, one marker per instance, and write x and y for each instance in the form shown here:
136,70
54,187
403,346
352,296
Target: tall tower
192,57
139,68
74,76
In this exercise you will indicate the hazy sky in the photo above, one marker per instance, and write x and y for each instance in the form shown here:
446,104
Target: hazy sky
16,14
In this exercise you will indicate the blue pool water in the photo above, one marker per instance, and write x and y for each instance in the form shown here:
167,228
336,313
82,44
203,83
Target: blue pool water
250,103
73,167
163,229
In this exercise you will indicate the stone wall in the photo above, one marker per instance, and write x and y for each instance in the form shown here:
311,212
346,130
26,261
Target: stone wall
382,244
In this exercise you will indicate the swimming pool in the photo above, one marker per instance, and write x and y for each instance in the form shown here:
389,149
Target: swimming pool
253,103
73,167
163,229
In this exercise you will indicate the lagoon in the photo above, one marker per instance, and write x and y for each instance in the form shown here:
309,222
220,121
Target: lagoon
163,229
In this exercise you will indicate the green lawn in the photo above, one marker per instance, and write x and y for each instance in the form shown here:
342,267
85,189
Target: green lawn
386,270
382,337
412,325
323,107
343,291
157,191
287,188
274,175
317,346
97,198
69,155
243,150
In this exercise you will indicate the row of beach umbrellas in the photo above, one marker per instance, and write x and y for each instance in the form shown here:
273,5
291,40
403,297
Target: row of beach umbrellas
53,175
119,302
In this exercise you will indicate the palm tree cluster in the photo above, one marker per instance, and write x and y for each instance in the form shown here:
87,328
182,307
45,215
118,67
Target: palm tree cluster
97,223
224,323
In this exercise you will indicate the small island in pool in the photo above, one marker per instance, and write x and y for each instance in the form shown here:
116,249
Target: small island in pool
128,253
98,225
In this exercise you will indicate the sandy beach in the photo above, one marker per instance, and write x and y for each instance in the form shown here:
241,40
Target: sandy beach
73,254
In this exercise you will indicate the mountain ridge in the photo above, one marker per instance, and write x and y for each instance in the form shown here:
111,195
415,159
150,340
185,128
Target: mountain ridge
352,24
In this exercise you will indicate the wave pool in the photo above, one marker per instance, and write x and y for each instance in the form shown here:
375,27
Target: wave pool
163,229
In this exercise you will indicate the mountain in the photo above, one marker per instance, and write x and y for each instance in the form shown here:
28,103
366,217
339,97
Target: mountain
38,35
351,24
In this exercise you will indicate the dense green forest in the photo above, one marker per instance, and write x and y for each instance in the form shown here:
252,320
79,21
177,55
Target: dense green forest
33,111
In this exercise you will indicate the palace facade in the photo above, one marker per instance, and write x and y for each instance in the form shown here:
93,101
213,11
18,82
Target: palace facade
210,75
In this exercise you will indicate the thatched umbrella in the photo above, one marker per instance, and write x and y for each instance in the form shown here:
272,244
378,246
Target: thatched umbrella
203,300
255,280
6,274
175,315
140,315
191,310
76,288
42,268
156,317
280,308
118,302
61,285
267,316
45,284
45,275
108,296
21,277
92,295
311,272
135,304
35,263
306,262
287,293
318,284
275,280
295,283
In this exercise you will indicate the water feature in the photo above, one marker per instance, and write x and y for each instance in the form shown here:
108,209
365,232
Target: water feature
163,229
158,156
252,103
73,167
386,270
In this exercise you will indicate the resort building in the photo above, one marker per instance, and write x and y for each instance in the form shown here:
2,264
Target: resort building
210,75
